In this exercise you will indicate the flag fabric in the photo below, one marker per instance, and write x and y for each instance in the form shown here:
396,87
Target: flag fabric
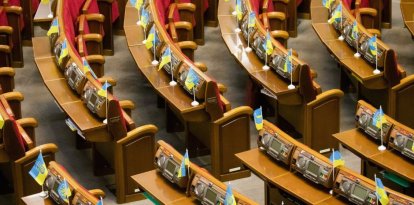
136,3
372,43
327,3
54,27
144,17
100,202
355,32
1,122
337,15
182,172
268,46
229,199
186,158
39,171
64,51
152,38
165,58
239,12
287,67
336,159
104,89
192,79
380,192
44,1
64,191
87,68
258,118
252,20
379,118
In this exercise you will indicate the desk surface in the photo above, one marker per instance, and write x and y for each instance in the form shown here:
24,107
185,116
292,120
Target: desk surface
358,143
43,12
161,189
35,199
395,163
407,10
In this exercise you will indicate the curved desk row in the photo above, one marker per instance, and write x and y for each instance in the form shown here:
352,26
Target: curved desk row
210,124
407,10
93,113
302,107
389,88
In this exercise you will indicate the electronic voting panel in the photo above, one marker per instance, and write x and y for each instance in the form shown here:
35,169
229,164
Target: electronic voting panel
278,60
168,165
365,50
53,36
199,87
356,190
258,44
52,182
79,199
275,145
365,123
312,167
57,51
247,32
206,192
400,199
338,25
175,61
402,140
95,102
75,76
347,32
158,41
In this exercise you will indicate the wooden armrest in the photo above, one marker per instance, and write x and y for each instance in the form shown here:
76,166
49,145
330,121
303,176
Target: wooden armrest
314,74
95,17
173,31
96,58
108,79
27,129
81,21
368,11
317,87
265,20
6,30
280,34
402,71
81,49
284,1
201,66
171,12
5,49
227,105
15,95
187,45
27,122
46,148
86,6
222,88
127,104
7,71
242,110
98,193
183,25
92,37
13,9
264,5
186,6
276,15
28,140
374,31
139,131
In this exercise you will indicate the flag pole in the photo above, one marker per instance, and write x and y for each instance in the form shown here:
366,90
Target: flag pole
341,37
172,83
154,62
248,49
106,103
50,15
234,13
194,103
101,200
266,67
333,169
145,35
382,147
376,71
357,54
291,86
139,17
44,193
375,180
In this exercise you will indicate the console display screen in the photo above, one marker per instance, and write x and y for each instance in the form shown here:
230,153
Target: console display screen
211,195
170,167
409,144
313,168
276,145
360,192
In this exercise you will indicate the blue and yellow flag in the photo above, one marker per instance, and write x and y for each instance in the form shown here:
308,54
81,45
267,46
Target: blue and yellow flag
39,171
267,45
336,159
54,27
144,17
87,68
100,202
64,51
379,118
239,12
1,122
104,89
152,38
327,3
136,3
287,67
165,58
252,20
182,172
44,1
64,191
380,192
258,118
372,43
355,32
192,79
229,199
337,15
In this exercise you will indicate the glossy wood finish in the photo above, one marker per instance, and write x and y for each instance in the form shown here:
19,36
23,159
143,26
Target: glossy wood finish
407,10
35,199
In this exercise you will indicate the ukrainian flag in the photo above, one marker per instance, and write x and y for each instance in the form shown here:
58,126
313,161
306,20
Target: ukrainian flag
144,18
1,122
327,3
287,68
136,3
39,171
100,202
239,12
229,199
380,192
152,38
64,51
165,58
104,90
54,27
182,172
337,15
336,159
268,44
372,43
87,68
379,118
186,158
44,1
64,191
355,32
258,118
192,79
252,20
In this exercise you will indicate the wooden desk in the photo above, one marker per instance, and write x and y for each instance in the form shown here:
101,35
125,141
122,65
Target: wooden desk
358,143
396,164
161,189
407,11
43,12
35,199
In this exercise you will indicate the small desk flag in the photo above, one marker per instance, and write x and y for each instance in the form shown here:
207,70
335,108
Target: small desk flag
337,15
54,27
39,170
258,118
379,118
372,43
229,199
165,58
380,192
64,191
336,159
192,79
104,90
268,46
